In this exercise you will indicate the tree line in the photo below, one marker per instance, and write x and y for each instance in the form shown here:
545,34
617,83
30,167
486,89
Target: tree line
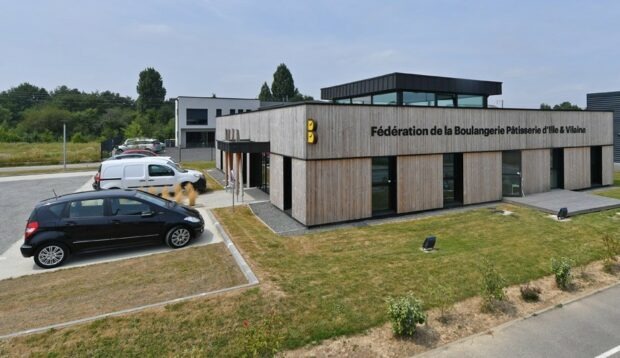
33,114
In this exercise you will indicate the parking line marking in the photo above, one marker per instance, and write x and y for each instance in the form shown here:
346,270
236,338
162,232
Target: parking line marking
609,353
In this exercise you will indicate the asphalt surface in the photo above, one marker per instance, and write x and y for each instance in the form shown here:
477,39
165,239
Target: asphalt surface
585,328
19,197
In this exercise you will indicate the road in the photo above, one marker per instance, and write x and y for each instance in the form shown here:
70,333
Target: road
589,327
20,196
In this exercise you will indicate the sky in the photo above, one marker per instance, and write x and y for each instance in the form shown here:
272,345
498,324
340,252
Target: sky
542,51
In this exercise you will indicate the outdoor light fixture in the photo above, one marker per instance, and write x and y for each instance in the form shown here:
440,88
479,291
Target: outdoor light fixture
562,214
429,243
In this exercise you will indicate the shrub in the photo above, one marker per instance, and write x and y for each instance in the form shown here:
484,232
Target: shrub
530,293
442,296
78,138
165,192
192,194
561,268
404,313
493,284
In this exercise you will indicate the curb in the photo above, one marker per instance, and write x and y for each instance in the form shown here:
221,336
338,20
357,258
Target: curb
243,265
516,320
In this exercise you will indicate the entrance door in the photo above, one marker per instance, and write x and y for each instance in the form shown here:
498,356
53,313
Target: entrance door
452,179
596,165
383,185
287,182
557,168
511,173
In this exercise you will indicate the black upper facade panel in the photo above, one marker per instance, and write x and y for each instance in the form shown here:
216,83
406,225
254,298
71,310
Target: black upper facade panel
411,82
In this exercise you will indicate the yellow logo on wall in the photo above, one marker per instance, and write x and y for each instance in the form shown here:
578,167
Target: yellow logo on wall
311,127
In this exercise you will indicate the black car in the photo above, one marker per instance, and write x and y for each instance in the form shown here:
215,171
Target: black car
102,220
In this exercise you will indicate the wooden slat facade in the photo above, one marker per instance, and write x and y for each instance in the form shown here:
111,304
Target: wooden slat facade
577,168
482,177
536,170
338,190
608,164
298,182
419,182
276,185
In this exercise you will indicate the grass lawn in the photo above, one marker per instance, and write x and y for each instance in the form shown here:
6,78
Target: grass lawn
203,166
19,154
60,296
335,283
617,178
611,193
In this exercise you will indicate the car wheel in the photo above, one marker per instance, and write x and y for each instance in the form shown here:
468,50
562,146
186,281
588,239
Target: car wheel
178,237
51,255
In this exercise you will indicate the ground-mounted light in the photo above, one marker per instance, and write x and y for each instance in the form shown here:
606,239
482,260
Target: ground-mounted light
562,213
429,243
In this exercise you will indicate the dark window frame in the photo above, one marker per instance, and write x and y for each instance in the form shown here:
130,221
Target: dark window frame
192,120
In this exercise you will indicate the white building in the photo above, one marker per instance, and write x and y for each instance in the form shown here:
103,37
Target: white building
196,117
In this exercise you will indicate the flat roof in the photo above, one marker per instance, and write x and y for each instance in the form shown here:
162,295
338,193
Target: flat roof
398,81
604,94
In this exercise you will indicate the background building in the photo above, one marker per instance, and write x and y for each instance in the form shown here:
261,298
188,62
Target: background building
196,117
608,101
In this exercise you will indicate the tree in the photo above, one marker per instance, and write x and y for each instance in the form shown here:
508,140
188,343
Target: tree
133,130
46,120
283,86
265,93
564,106
22,97
151,91
5,115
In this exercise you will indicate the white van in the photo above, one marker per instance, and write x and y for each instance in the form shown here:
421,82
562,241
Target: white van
137,173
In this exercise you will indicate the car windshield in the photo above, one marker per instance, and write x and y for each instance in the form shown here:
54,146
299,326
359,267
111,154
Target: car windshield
177,167
153,199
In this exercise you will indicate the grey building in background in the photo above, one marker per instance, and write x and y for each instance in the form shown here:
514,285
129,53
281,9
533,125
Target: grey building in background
608,101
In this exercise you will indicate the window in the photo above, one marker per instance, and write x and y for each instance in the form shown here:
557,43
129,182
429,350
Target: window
472,101
197,117
384,99
123,206
86,208
445,100
152,199
51,212
248,110
343,101
419,99
232,111
160,171
240,111
361,100
218,112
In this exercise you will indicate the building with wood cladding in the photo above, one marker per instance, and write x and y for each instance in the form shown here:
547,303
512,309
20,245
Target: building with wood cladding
403,143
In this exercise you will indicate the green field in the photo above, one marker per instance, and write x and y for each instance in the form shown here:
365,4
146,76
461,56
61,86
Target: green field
21,154
334,283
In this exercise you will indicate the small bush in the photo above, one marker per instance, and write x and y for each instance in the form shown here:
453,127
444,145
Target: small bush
443,297
561,268
78,137
493,284
165,192
530,293
192,194
612,250
404,313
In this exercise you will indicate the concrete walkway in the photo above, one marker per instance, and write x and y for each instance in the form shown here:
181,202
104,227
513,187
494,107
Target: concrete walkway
224,198
589,327
48,176
576,202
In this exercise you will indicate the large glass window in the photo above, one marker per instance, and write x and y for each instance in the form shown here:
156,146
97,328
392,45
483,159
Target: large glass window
218,112
123,206
511,173
197,116
383,185
445,100
452,179
343,101
384,99
472,101
361,100
418,99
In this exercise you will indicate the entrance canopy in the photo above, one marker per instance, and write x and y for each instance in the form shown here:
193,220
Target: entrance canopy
243,146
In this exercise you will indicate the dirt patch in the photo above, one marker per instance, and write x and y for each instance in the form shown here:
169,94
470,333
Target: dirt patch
464,319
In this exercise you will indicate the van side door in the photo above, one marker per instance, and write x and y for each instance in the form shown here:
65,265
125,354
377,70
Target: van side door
134,176
161,175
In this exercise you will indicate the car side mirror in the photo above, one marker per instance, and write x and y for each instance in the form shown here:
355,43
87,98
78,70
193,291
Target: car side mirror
147,214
